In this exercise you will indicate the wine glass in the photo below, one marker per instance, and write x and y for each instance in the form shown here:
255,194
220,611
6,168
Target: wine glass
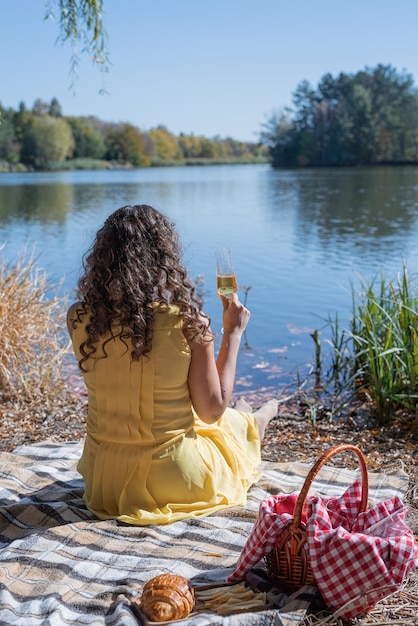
225,275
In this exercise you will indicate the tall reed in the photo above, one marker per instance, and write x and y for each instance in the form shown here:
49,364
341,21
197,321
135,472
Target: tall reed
379,353
32,337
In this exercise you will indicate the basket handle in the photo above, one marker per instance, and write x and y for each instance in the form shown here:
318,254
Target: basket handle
296,522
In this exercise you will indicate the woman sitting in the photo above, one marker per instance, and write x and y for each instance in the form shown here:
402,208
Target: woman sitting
162,443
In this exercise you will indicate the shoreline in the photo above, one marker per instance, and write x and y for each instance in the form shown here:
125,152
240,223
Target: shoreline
291,436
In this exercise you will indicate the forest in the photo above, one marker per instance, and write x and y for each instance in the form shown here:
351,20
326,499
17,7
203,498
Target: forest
366,118
43,138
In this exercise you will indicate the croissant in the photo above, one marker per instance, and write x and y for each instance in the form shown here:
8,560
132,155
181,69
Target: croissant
167,597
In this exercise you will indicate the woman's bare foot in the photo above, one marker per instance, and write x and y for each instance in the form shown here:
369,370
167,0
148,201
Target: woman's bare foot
242,405
265,414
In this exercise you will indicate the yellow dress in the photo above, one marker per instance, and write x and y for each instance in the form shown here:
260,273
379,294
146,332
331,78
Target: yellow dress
148,458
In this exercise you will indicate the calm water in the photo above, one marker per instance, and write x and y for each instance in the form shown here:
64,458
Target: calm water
298,238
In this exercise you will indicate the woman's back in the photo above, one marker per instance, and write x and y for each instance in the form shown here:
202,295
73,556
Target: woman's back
139,402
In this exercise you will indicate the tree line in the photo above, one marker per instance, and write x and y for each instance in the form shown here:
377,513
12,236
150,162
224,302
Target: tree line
366,118
43,138
370,117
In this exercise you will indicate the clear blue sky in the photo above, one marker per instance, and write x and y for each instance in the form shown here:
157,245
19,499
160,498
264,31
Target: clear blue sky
210,67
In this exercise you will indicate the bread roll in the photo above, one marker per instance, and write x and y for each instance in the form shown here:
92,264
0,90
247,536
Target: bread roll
167,597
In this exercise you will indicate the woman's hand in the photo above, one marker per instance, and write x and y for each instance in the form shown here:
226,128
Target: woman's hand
235,315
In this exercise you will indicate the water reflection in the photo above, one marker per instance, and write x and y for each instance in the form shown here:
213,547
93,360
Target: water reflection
360,203
43,203
346,217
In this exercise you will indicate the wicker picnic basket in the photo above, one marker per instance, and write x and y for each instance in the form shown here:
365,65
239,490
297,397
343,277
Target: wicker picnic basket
287,564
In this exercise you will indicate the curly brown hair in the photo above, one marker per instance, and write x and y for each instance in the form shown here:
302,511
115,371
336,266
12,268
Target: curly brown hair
134,261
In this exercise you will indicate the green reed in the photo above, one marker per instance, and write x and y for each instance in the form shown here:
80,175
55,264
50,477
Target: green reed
378,355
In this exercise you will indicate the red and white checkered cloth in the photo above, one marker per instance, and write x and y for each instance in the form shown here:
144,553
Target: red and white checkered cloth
271,521
357,559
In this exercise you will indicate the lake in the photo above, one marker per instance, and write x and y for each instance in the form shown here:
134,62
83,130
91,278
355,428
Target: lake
298,239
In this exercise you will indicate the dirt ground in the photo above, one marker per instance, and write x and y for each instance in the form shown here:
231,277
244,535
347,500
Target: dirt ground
297,434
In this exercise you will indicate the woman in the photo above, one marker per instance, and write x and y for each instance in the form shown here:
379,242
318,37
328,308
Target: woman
162,444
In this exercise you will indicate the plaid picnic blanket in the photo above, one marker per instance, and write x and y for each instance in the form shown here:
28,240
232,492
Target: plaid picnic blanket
60,565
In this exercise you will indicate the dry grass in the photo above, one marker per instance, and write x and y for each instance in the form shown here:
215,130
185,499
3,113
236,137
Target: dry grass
32,341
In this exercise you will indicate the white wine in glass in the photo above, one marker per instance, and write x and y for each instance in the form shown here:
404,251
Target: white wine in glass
225,275
227,285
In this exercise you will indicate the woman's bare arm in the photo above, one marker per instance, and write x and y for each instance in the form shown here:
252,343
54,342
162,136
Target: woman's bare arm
211,382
